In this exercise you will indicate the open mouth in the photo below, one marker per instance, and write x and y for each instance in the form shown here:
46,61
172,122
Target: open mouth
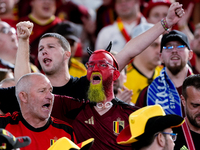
175,58
47,61
96,78
46,106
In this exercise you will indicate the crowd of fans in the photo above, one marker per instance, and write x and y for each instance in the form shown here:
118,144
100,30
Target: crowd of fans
54,53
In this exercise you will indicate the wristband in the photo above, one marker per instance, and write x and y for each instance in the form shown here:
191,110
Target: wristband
164,24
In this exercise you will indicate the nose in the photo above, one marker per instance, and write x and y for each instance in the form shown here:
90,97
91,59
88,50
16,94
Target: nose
174,50
50,95
95,67
44,52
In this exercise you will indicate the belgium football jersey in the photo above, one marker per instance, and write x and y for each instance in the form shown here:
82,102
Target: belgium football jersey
41,138
137,81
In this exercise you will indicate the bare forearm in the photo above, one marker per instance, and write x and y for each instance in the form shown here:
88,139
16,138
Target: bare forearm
22,65
137,45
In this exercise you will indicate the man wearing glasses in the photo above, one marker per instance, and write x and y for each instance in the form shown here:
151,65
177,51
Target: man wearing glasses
167,87
150,129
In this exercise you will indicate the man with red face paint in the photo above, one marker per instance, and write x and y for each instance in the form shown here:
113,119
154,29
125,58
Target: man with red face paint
107,116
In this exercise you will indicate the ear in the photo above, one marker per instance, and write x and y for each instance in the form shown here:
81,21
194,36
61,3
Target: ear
161,140
23,97
67,54
190,54
183,100
116,75
161,58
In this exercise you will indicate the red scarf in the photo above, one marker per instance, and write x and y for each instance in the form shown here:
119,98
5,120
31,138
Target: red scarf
188,136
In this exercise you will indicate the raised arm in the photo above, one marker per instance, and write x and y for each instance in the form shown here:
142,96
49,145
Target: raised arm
141,42
22,65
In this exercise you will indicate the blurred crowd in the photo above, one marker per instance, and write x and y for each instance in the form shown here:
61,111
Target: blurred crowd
94,24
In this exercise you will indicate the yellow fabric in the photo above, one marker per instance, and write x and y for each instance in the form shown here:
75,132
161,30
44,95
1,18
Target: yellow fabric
86,142
138,120
137,82
66,144
63,144
51,19
34,68
77,69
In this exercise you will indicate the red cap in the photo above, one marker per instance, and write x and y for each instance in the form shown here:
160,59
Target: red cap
153,3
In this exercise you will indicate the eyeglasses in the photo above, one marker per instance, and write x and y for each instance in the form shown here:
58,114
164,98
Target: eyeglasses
170,48
100,64
173,135
7,30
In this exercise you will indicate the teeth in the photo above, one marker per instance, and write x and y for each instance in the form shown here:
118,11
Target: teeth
174,58
46,60
46,105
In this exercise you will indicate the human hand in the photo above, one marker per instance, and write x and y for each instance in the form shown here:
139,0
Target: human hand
174,14
24,29
124,94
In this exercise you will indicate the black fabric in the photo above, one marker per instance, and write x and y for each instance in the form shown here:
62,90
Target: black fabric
76,88
159,123
180,141
8,100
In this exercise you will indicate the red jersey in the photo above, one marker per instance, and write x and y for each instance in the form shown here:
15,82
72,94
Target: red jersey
41,138
103,128
87,122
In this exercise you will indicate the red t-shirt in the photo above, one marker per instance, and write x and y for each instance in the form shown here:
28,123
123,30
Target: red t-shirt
41,138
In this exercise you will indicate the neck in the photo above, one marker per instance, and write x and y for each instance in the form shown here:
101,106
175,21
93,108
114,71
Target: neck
41,21
130,19
10,60
60,78
145,69
109,94
7,16
104,106
193,128
34,122
178,78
